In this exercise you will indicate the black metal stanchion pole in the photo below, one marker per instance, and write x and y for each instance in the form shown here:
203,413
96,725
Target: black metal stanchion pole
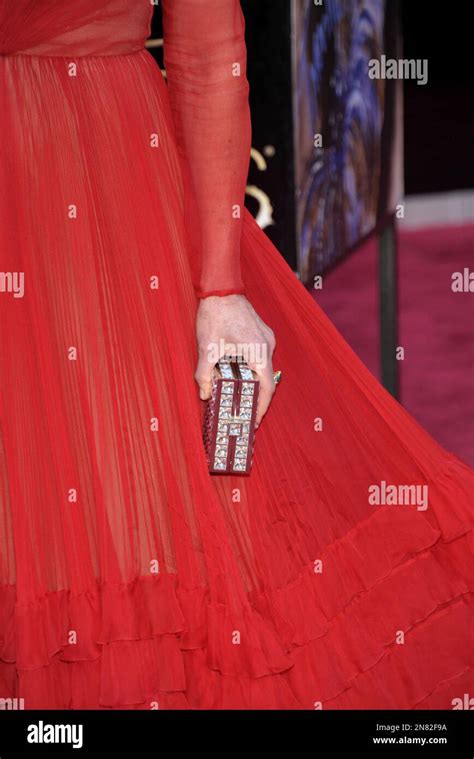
388,307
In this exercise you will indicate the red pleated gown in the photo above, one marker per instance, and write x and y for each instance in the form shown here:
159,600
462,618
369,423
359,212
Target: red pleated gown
129,577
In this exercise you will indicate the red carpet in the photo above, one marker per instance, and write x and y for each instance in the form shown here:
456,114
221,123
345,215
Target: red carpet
436,327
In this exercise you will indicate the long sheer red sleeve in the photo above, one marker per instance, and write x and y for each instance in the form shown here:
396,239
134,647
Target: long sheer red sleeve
205,58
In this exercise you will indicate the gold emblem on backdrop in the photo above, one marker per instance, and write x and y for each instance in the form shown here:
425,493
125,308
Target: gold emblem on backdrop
264,215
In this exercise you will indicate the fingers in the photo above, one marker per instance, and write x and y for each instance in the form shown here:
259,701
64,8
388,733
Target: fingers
203,376
263,370
267,388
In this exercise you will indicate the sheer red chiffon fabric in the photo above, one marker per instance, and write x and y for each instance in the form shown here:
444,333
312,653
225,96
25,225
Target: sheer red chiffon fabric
205,58
130,578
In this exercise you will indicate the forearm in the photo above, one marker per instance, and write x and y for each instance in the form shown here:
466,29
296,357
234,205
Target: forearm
205,58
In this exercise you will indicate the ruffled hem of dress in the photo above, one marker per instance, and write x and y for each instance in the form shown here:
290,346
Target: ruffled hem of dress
373,629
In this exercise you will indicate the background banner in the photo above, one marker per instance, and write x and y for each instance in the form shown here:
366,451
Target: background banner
327,159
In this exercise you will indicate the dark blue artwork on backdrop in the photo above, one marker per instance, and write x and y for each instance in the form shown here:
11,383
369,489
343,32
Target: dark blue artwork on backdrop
308,73
340,117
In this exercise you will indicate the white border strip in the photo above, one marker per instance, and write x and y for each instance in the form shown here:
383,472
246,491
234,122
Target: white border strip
438,209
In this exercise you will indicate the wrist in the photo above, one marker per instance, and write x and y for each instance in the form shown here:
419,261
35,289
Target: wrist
202,294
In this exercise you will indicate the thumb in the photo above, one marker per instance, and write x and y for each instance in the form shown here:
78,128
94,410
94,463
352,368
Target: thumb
203,377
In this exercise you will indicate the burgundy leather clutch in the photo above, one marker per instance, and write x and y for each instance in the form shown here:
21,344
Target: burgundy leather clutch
229,423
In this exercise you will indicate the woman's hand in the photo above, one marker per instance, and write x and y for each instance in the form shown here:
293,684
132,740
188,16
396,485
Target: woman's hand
229,325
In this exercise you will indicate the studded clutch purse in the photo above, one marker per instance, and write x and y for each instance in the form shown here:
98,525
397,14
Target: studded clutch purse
229,423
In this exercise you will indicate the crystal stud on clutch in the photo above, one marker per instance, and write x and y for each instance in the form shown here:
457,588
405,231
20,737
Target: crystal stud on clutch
229,423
